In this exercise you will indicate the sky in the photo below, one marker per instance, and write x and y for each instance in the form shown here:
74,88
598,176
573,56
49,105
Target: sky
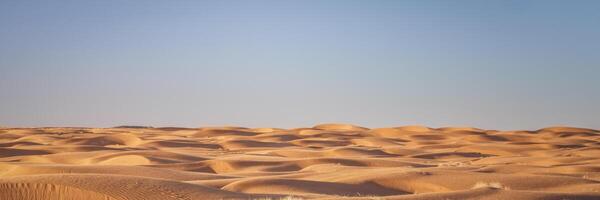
488,64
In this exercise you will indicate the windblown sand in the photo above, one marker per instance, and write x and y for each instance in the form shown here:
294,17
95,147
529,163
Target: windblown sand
331,161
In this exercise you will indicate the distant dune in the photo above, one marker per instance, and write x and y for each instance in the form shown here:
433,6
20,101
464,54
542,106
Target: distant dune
328,161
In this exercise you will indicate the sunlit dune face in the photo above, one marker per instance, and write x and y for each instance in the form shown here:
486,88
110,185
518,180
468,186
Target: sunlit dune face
329,161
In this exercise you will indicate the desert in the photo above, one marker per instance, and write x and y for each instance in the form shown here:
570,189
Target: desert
299,100
327,161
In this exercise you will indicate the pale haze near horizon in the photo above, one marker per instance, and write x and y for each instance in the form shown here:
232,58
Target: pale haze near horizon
488,64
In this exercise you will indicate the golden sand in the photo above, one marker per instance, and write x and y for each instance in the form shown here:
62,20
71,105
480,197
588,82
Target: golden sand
330,161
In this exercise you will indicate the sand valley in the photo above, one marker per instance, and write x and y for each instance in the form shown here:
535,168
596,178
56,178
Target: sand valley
329,161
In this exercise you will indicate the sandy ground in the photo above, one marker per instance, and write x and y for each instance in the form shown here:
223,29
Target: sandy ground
331,161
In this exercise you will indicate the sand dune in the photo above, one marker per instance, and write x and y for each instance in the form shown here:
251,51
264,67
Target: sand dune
328,161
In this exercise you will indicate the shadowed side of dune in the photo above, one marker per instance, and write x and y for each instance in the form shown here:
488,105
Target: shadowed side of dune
330,161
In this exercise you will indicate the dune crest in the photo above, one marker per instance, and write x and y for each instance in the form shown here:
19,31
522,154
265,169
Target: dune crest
327,161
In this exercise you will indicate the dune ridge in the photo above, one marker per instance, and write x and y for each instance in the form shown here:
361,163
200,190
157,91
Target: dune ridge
327,161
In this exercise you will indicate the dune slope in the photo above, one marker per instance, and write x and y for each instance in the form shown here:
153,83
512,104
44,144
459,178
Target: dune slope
328,161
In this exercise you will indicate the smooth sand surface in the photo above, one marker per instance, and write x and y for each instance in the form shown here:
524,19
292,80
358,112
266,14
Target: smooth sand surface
330,161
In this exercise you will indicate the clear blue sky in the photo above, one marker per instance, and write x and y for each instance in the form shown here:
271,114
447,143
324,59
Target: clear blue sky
489,64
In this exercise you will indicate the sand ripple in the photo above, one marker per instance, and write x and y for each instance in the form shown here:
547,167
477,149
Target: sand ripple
328,161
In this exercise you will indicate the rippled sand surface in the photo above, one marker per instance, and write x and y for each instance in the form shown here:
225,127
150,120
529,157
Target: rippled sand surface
330,161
